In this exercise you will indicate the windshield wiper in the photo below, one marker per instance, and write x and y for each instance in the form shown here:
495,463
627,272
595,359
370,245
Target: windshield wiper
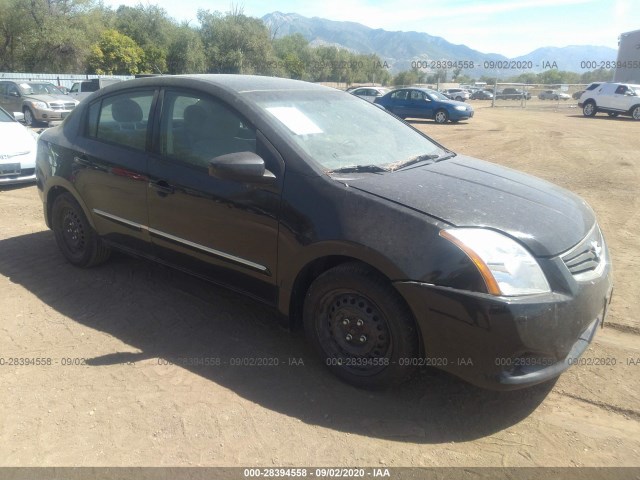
359,169
412,161
421,158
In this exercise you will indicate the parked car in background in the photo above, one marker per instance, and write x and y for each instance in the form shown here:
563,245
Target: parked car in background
424,103
553,95
17,150
369,93
415,252
481,95
457,94
38,101
80,90
513,94
611,98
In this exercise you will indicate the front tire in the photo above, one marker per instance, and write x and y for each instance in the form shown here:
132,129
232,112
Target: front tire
635,112
76,239
29,117
441,116
589,109
361,327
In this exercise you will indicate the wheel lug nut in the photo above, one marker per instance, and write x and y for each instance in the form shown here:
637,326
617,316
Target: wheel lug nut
359,322
348,337
363,338
346,321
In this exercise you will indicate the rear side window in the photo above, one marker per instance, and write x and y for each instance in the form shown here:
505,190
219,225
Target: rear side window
89,86
121,119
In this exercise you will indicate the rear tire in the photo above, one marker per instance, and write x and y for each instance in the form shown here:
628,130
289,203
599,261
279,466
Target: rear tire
76,239
589,109
361,327
635,112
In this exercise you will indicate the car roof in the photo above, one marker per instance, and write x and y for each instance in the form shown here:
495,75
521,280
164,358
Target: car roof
229,82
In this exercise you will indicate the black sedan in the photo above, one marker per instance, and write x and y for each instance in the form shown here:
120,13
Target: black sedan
481,95
390,250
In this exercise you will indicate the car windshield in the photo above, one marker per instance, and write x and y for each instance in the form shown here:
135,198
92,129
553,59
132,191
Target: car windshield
340,131
30,88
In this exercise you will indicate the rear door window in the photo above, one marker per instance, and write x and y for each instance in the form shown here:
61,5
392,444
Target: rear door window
122,119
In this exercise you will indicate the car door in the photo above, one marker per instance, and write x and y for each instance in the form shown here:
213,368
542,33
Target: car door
225,230
109,163
420,105
11,98
619,99
399,103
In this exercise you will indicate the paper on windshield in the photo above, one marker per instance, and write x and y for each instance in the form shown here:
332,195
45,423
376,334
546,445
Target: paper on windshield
294,120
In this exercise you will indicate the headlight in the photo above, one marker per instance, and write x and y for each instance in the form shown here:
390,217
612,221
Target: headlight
506,266
462,108
39,105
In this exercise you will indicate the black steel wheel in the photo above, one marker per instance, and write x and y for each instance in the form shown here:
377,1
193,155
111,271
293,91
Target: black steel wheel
75,237
361,327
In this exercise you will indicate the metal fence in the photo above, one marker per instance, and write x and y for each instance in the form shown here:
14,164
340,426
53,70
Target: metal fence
539,96
63,79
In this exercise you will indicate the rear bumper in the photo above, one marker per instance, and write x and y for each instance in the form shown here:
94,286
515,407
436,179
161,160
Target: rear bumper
505,343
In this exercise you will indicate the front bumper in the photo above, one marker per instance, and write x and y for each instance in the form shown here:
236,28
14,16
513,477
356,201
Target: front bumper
505,343
50,115
461,115
18,169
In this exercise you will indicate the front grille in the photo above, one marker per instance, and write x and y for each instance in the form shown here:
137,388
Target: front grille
62,106
588,255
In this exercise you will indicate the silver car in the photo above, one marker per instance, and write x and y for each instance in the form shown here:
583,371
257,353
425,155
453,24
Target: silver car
17,150
39,101
553,95
369,93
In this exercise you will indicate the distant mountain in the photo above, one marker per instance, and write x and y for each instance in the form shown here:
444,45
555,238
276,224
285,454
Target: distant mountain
402,49
573,58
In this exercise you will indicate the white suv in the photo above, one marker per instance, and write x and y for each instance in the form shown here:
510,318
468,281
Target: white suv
612,98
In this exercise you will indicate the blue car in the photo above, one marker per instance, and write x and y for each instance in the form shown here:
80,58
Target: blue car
424,103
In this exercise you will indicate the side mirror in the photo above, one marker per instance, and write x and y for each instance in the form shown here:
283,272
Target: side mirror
13,93
241,166
18,116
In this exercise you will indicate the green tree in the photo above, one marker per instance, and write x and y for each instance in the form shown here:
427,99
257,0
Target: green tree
409,77
47,35
151,28
235,43
186,52
115,54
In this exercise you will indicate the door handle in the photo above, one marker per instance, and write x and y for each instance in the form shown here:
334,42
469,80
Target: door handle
162,188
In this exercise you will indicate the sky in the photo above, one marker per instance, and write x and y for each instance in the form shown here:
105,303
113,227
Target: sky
509,27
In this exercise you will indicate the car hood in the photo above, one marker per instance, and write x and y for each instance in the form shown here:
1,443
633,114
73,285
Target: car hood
50,98
465,192
14,138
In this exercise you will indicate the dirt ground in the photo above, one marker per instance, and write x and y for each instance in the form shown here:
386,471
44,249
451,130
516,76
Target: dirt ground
104,395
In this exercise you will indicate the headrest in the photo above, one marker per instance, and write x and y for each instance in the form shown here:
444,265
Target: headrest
126,111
